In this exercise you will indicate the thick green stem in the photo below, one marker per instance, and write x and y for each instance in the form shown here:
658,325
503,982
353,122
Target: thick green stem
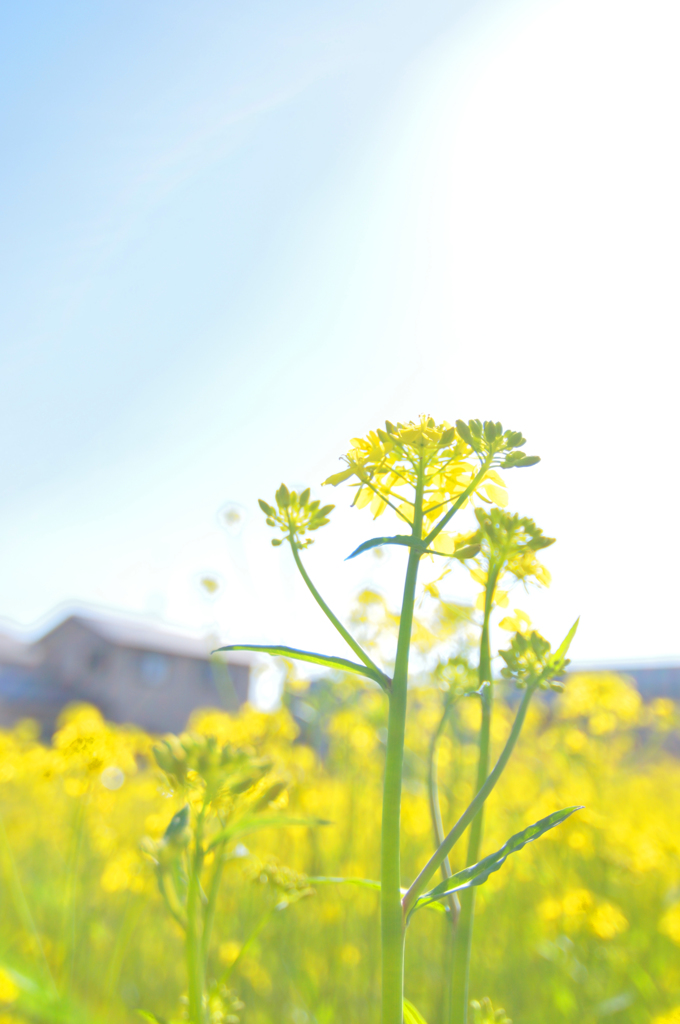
344,633
462,950
420,884
195,961
392,917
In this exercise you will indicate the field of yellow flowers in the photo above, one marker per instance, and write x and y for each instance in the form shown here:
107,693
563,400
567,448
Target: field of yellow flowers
587,931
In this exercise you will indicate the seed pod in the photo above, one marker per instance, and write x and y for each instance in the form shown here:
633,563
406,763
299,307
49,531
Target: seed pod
270,793
464,431
471,551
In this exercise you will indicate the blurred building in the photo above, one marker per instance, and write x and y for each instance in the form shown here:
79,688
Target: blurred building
131,671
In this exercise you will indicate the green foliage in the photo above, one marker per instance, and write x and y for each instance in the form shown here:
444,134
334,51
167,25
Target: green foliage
477,874
326,660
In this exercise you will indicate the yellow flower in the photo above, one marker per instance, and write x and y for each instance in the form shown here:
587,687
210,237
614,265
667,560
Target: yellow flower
228,952
350,955
519,622
608,921
386,464
9,990
670,923
673,1017
577,902
550,909
605,698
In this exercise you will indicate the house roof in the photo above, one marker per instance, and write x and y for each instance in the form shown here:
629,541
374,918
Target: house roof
139,635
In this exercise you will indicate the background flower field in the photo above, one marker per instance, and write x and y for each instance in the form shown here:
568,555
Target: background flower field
587,931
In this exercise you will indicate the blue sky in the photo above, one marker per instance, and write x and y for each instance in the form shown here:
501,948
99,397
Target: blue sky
236,235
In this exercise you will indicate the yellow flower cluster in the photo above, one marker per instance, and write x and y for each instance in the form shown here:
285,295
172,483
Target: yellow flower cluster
388,465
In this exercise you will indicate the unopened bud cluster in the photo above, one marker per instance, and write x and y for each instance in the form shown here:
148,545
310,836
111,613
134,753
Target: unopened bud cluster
530,662
295,515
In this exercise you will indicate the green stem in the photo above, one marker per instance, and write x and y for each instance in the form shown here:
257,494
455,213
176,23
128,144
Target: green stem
435,861
462,951
344,633
392,917
213,892
195,962
435,812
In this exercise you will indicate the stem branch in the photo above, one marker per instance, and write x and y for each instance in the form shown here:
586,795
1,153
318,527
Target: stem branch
420,883
344,633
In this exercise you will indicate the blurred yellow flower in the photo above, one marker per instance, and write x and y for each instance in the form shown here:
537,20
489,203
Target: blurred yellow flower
9,990
593,693
350,955
228,951
550,909
672,1017
607,921
518,622
577,902
670,923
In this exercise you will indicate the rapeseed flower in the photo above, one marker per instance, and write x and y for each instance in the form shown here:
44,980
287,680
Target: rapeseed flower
386,465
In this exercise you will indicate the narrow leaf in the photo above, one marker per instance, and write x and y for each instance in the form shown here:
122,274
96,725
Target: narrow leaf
478,873
411,1015
246,826
401,539
566,643
327,660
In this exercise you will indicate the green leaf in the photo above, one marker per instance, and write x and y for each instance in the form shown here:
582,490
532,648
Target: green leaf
402,539
327,660
178,824
566,643
478,873
145,1015
411,1015
246,826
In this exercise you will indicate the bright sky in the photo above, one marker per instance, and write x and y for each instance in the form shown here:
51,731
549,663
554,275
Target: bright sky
237,235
